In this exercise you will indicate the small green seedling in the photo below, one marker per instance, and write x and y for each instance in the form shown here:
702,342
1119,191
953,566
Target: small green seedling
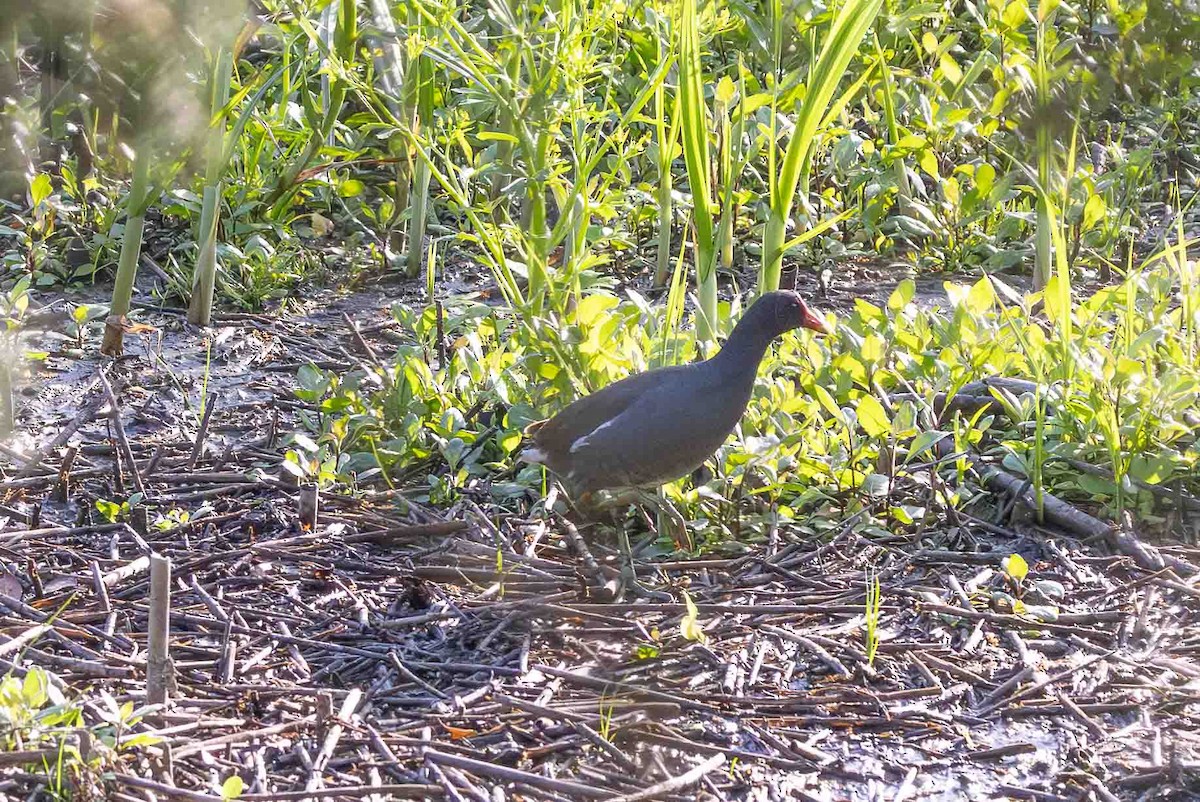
690,627
1015,569
232,788
114,511
873,608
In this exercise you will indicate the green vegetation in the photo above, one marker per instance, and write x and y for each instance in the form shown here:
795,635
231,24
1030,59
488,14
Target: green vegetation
570,148
39,723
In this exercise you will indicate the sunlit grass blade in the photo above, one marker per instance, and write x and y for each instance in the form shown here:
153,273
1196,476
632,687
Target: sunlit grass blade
694,135
849,27
666,127
419,197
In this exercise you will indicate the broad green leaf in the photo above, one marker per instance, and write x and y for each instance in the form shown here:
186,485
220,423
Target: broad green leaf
950,190
351,188
725,91
1151,469
40,188
1057,299
1093,212
827,403
873,349
981,297
1015,566
1016,14
912,142
876,485
592,306
33,689
902,295
304,441
950,68
872,416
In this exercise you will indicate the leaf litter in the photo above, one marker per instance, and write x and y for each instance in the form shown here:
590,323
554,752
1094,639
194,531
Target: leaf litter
400,651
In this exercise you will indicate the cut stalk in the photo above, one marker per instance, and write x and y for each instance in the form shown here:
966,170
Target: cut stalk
131,248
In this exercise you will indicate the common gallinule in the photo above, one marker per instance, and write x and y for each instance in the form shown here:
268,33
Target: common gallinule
654,427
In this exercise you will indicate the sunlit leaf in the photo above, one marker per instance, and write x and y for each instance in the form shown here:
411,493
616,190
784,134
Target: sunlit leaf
1015,566
872,416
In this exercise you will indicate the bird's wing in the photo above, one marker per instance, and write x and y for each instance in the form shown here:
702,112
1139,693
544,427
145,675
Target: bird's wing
584,416
648,441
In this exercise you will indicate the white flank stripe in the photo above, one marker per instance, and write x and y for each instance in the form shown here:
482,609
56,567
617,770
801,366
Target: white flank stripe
581,442
533,455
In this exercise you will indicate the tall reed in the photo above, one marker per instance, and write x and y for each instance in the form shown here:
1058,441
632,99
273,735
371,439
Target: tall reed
850,24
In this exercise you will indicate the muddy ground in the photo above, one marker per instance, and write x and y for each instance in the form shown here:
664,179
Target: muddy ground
382,655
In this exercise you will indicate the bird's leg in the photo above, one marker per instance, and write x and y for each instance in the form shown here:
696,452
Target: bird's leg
667,514
629,573
587,506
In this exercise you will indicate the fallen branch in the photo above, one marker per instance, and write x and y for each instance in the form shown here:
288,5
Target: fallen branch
675,784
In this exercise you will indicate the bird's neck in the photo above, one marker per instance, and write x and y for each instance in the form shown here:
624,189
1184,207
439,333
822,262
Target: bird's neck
743,351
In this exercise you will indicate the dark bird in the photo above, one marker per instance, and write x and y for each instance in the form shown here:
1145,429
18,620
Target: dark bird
655,427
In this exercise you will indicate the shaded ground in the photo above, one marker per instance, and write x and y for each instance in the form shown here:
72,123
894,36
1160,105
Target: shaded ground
382,655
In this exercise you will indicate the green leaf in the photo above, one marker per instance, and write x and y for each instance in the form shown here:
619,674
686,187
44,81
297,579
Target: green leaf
1128,369
872,416
33,689
1057,298
40,188
981,297
950,68
828,403
902,296
689,626
498,136
1016,14
294,468
924,442
593,306
1015,566
929,163
351,188
1093,212
985,178
1152,469
725,91
232,788
876,485
305,442
873,349
109,509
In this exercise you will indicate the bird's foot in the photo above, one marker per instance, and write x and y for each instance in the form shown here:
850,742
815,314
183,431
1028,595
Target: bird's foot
630,582
629,574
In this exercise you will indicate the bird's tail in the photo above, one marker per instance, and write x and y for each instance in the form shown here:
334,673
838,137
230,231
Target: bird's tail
532,455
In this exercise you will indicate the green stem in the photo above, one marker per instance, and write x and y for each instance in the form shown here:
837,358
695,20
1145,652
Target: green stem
131,249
